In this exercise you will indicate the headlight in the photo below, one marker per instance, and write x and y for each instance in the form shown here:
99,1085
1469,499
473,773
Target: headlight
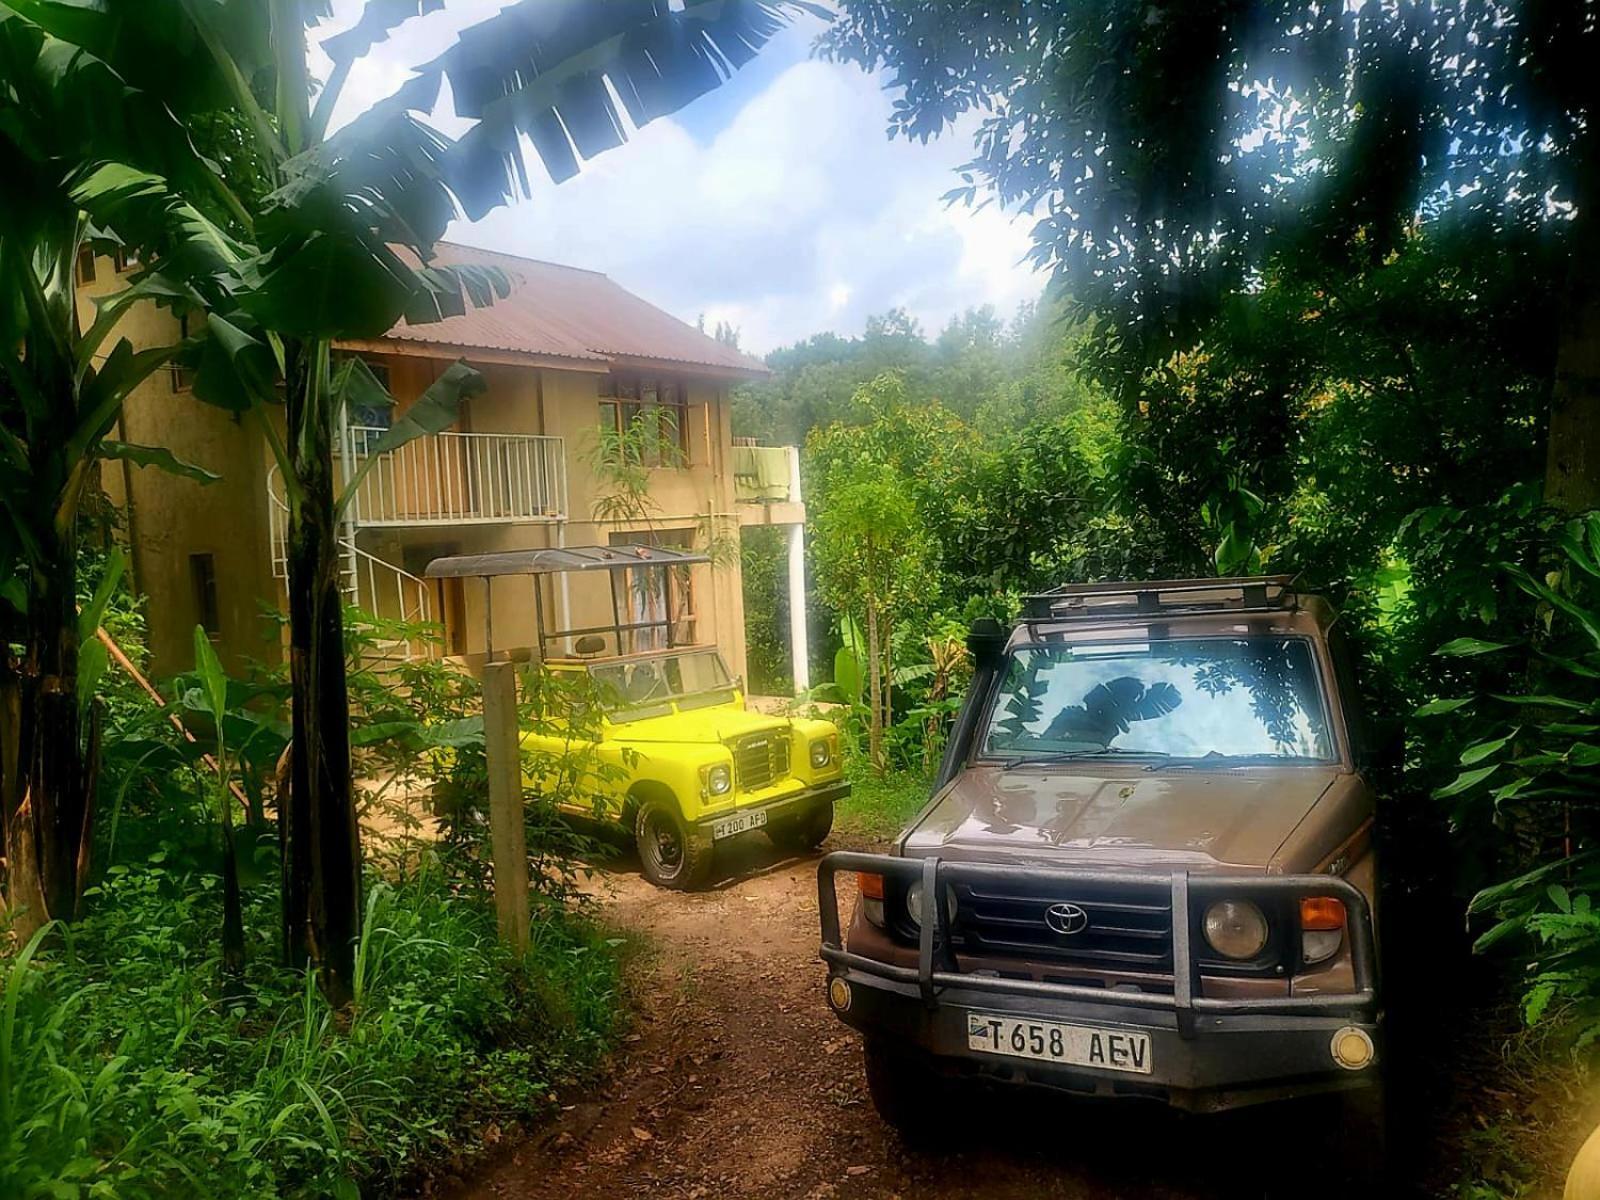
914,903
1236,929
821,753
719,780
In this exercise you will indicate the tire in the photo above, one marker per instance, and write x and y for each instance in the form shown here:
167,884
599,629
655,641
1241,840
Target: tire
1362,1142
803,834
669,852
908,1093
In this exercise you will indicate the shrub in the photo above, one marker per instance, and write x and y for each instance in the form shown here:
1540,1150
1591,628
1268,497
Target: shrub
126,1072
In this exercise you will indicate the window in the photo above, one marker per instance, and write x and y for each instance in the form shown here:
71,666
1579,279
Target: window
203,581
86,265
1207,699
369,422
125,259
649,416
644,600
182,376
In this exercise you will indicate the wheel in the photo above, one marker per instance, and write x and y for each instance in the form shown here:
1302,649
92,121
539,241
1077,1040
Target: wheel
672,857
1362,1141
907,1092
1348,1133
804,833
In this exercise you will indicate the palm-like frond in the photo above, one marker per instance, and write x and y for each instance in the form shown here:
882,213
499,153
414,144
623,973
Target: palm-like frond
553,70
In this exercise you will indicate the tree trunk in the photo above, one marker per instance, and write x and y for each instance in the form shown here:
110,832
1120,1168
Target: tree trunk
232,904
57,780
322,848
1572,455
23,901
1572,464
874,693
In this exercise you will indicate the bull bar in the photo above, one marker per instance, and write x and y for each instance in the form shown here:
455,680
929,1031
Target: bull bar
936,967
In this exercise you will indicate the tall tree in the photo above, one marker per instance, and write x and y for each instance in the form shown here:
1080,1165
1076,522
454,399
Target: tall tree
1173,148
342,246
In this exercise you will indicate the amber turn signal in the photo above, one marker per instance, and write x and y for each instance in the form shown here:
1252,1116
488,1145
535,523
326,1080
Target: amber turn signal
871,885
1321,912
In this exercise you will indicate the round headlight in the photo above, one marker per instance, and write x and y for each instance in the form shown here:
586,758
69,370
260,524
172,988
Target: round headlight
914,903
1236,929
719,781
821,753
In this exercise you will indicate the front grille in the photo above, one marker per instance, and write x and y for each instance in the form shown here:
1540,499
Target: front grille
760,758
1127,928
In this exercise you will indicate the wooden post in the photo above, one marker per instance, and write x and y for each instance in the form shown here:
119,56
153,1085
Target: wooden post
507,841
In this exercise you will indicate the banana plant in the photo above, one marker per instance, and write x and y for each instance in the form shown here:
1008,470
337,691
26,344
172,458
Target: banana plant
214,692
340,245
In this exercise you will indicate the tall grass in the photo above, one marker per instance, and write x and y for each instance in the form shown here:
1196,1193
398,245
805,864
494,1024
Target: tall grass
124,1072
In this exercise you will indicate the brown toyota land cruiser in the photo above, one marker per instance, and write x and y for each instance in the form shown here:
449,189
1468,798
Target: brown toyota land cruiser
1146,870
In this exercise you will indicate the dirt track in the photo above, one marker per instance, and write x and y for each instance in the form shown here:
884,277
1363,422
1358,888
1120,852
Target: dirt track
738,1082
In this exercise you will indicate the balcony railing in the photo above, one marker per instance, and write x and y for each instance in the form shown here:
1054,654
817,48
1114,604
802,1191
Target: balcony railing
459,478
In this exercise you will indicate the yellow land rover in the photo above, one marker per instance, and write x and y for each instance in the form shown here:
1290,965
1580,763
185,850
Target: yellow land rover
689,766
672,756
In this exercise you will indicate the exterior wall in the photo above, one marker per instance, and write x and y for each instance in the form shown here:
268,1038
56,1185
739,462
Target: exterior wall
565,404
171,519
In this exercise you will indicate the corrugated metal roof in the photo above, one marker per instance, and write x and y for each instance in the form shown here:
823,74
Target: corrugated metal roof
566,312
552,561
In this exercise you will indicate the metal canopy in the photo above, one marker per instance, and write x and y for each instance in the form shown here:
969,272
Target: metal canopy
555,561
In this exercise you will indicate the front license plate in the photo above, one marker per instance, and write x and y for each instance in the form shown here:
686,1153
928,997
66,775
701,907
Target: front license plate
738,823
1076,1045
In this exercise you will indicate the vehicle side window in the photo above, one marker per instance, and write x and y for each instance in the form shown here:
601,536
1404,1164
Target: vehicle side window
1343,658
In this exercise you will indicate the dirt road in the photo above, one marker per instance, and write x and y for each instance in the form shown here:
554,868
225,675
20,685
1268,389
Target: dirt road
738,1082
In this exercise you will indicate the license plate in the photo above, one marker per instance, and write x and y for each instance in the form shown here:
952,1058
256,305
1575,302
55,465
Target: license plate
738,823
1047,1041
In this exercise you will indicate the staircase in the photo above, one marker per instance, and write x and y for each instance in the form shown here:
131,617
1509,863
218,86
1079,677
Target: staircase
372,584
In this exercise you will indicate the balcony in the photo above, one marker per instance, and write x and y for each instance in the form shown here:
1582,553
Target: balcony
459,479
766,484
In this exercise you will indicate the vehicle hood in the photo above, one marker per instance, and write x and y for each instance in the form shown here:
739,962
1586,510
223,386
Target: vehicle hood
708,726
1126,817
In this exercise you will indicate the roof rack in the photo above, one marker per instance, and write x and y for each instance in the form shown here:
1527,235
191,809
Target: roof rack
1091,601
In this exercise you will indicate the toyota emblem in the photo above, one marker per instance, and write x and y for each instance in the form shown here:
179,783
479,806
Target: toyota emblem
1066,919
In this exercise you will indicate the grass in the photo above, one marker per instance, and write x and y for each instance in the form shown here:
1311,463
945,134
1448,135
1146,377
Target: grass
878,806
128,1073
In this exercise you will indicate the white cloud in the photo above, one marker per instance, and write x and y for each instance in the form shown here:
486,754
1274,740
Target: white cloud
798,216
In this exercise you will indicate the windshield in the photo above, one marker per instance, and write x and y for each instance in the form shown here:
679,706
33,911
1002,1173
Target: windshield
657,685
1196,698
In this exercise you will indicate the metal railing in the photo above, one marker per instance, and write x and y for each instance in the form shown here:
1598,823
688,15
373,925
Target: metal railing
372,584
458,478
937,969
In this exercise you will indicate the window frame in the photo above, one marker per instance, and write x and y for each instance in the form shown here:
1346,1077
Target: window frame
204,591
623,396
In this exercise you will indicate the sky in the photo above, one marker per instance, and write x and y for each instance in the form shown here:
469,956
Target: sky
775,203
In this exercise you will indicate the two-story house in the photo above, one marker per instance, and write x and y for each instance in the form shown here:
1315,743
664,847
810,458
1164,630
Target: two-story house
568,353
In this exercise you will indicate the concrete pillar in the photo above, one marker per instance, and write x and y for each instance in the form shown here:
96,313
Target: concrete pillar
799,643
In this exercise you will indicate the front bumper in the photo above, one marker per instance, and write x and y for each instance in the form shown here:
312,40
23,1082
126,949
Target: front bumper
1206,1053
790,805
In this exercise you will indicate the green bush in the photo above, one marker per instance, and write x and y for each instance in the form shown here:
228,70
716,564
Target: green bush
125,1070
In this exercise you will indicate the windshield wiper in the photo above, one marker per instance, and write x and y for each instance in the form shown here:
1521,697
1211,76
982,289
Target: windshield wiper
1213,758
1060,756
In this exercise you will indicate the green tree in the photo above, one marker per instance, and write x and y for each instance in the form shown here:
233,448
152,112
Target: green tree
341,246
1177,152
875,560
